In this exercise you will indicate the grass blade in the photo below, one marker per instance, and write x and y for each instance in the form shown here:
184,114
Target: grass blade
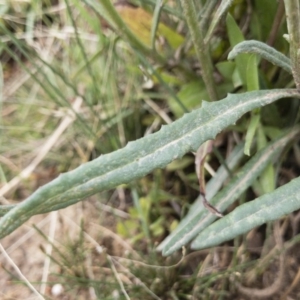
155,21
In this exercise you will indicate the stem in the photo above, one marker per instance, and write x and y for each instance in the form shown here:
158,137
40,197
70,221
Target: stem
292,10
201,49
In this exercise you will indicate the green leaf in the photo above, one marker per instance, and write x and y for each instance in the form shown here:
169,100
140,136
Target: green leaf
267,178
263,50
226,68
252,74
252,85
254,121
140,157
192,94
269,207
213,186
238,184
235,37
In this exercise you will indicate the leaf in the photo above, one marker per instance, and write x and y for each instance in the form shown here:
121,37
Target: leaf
263,50
140,157
213,186
252,74
254,122
238,184
147,27
267,180
235,37
191,95
226,68
269,207
252,85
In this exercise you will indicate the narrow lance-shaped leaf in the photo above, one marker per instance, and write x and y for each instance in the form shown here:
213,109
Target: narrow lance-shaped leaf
267,180
269,207
213,186
140,157
239,183
252,85
253,124
235,37
263,50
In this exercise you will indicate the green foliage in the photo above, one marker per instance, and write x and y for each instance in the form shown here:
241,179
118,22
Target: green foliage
182,72
263,50
236,37
139,158
201,218
269,207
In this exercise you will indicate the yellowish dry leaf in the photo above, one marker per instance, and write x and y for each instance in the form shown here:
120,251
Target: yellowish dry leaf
140,23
